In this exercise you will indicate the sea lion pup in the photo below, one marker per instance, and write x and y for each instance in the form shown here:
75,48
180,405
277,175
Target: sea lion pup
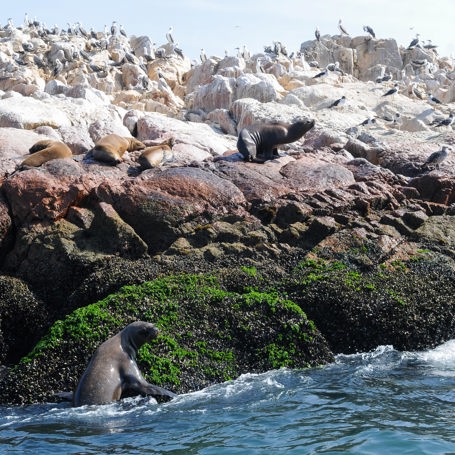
260,141
113,371
155,156
44,151
110,148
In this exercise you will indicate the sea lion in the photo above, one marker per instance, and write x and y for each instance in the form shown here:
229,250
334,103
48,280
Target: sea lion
113,371
260,141
44,151
155,156
111,148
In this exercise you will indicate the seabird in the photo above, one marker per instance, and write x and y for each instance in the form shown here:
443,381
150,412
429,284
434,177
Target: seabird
436,158
114,28
342,29
317,34
323,73
414,42
246,53
392,91
122,31
367,122
384,78
58,67
429,45
433,100
339,102
416,92
396,119
169,37
445,122
203,56
178,51
369,30
333,66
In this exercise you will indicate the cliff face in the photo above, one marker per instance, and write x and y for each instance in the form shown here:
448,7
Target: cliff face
347,223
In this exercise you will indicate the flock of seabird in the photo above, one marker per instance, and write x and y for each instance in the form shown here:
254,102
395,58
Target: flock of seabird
436,158
99,41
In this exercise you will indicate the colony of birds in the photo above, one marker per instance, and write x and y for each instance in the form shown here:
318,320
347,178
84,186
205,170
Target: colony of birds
134,73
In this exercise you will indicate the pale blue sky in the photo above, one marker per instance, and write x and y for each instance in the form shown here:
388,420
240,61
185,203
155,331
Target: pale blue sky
218,25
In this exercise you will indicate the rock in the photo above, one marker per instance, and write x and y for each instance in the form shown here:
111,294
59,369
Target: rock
247,111
28,113
191,141
312,175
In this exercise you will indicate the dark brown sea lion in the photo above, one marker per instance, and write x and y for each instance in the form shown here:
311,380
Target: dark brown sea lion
260,141
110,148
113,371
44,151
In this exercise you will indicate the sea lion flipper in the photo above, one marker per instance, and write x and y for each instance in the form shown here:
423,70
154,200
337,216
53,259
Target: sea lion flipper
246,145
155,390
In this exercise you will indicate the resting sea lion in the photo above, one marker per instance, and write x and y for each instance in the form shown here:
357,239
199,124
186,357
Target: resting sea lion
260,141
111,148
113,371
44,151
155,156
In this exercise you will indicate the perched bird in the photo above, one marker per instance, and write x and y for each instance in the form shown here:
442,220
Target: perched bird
433,100
339,102
317,34
322,74
203,56
367,122
445,122
384,78
114,28
416,92
414,42
246,53
169,37
430,45
436,158
57,68
369,30
122,31
342,29
178,51
392,91
395,120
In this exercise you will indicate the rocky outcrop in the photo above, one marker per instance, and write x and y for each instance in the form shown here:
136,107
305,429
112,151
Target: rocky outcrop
345,224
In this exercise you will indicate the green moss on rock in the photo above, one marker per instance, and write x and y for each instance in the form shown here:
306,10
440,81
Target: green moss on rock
208,334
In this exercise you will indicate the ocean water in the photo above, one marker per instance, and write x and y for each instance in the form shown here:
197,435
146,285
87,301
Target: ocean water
381,402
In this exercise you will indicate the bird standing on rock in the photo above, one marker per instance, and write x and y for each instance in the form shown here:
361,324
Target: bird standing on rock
433,100
342,29
392,91
445,122
339,102
369,30
436,158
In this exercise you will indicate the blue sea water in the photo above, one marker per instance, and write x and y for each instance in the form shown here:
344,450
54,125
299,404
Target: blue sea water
381,402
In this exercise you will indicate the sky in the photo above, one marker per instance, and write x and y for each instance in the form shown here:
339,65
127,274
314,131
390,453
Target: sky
223,25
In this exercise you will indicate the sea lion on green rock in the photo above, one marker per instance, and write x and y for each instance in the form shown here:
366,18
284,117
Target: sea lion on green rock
113,372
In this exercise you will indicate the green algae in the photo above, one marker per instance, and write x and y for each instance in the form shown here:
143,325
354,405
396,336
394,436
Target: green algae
208,334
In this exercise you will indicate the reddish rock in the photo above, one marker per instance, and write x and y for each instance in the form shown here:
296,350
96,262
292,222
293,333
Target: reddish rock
159,202
435,187
34,195
312,175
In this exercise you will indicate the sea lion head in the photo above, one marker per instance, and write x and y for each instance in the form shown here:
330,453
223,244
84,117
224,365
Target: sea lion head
136,334
299,128
135,144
